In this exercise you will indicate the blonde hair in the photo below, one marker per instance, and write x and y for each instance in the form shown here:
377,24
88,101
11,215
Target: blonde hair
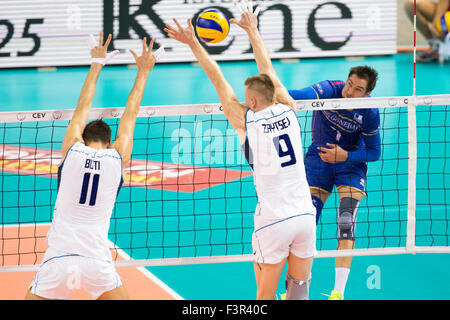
263,84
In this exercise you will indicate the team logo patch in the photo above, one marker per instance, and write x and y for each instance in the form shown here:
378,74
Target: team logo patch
362,182
358,118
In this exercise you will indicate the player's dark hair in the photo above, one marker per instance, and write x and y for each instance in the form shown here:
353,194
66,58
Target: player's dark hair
366,73
262,84
97,131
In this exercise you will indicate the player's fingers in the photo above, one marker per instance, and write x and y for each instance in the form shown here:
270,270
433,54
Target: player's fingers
166,30
232,20
189,23
108,40
236,4
250,6
134,54
172,31
243,6
169,27
257,10
326,157
235,22
144,45
100,39
178,24
150,47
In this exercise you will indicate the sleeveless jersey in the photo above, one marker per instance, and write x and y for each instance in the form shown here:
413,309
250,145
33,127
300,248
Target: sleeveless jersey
274,151
88,183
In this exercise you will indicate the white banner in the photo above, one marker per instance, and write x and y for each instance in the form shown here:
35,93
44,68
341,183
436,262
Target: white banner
54,33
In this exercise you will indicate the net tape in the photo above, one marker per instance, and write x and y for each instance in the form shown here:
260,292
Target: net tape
215,108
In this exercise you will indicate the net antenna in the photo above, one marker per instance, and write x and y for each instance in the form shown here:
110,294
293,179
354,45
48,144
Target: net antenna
415,47
412,152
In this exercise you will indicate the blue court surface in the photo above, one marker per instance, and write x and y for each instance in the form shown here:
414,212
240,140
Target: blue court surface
222,213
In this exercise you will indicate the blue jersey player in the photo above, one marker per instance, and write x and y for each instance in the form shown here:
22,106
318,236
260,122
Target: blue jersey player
343,141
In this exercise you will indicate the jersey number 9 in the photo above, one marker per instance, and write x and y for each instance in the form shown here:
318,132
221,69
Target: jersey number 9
286,151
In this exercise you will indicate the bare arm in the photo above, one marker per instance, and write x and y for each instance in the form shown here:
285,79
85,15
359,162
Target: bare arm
249,23
80,116
124,138
233,110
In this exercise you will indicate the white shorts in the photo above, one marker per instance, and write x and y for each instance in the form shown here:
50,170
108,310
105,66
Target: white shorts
60,273
273,240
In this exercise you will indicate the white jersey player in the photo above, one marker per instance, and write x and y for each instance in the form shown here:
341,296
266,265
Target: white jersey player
88,182
285,216
275,154
89,178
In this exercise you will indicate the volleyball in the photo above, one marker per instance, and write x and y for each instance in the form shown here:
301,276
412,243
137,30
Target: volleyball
212,26
443,24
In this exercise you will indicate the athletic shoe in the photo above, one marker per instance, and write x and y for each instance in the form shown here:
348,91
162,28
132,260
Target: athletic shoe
430,55
335,295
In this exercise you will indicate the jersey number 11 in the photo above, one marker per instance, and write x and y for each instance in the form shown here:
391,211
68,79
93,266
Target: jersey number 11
94,189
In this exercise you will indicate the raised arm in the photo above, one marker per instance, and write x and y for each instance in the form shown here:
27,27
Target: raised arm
80,116
233,110
124,138
249,23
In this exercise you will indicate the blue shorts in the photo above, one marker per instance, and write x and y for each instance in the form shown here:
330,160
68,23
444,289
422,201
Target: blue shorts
325,175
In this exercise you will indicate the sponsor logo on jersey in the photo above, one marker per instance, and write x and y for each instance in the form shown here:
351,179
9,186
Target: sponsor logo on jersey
338,120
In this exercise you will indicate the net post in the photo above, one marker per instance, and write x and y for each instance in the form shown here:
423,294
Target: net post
412,170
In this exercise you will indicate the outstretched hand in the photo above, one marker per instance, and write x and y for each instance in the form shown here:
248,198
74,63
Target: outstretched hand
99,52
146,60
184,35
249,20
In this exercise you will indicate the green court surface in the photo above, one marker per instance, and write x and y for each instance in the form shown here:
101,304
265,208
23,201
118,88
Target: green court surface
222,213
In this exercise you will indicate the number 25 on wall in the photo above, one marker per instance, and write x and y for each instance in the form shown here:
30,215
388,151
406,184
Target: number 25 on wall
26,34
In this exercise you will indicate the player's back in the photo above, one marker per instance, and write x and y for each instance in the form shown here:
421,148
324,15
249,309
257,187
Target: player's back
88,183
274,150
